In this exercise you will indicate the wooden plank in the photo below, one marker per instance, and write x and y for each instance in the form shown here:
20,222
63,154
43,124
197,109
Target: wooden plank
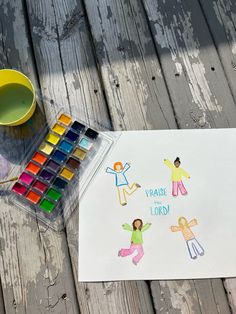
35,267
190,296
126,19
175,297
2,305
201,98
68,76
221,18
211,296
230,286
198,87
134,86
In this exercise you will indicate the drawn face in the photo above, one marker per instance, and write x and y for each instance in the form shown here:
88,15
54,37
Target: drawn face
177,164
182,221
137,224
118,168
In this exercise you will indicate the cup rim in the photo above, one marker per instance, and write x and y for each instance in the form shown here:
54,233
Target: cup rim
33,101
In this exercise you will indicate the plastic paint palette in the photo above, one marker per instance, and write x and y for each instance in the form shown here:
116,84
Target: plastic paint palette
58,168
54,164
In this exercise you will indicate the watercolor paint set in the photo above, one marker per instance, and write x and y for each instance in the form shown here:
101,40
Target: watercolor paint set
58,168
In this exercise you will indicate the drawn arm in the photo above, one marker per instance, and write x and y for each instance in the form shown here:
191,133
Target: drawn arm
175,228
109,170
185,174
192,223
146,227
169,164
127,227
126,167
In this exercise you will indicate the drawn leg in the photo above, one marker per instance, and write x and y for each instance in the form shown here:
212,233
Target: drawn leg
129,189
132,188
182,189
198,247
174,188
140,254
121,195
191,249
126,252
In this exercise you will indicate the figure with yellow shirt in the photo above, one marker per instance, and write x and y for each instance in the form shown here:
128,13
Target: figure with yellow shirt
137,230
194,247
177,174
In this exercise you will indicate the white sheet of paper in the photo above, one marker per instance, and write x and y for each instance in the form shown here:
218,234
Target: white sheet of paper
202,249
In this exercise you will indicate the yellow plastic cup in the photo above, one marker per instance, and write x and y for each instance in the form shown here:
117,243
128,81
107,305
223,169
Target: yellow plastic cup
17,98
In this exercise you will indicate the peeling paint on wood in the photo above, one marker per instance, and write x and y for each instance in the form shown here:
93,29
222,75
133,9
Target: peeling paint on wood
202,87
65,60
230,286
137,98
15,50
226,15
221,17
35,267
60,63
135,89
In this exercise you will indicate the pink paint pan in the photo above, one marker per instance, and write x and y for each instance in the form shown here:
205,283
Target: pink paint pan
26,178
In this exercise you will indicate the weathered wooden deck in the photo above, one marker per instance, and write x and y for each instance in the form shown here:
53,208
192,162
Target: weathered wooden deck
125,64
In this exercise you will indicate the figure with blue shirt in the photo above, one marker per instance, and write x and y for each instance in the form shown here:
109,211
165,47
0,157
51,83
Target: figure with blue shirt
122,184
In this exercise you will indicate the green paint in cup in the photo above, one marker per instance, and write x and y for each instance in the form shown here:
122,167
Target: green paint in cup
17,98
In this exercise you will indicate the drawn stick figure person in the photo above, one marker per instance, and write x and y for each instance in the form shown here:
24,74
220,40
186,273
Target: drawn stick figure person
194,247
137,230
177,174
122,184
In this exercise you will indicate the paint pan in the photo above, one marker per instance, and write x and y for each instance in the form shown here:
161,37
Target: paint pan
46,148
46,175
52,165
65,119
40,186
26,178
85,144
39,158
77,126
66,146
47,206
53,194
72,136
79,153
52,138
59,129
73,163
19,188
59,156
91,134
67,174
60,183
33,197
33,168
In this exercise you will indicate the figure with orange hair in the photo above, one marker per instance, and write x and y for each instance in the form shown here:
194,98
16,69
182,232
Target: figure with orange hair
122,184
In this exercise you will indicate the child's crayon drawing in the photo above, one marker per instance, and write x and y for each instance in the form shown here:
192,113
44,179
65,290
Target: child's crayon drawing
194,247
122,184
177,174
137,230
